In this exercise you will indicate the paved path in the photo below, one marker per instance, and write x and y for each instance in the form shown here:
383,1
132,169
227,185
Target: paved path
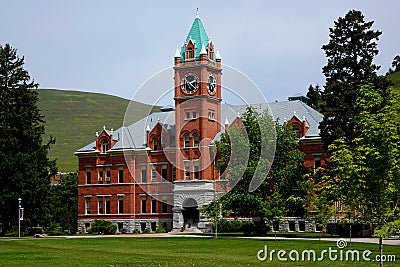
389,241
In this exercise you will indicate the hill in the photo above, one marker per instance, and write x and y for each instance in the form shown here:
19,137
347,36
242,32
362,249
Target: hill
395,78
73,118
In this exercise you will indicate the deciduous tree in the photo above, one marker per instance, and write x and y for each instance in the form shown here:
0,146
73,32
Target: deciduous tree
366,173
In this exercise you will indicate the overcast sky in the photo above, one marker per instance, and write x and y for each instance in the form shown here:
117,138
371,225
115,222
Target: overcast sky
115,46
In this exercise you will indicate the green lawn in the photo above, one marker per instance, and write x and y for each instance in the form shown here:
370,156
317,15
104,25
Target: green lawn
171,251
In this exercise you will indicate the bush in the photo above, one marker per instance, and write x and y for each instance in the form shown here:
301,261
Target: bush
161,229
254,228
54,229
102,227
248,228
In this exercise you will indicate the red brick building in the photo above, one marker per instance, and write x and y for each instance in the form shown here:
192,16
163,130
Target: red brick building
159,171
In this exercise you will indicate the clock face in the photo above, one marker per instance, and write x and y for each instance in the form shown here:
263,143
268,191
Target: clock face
211,84
190,83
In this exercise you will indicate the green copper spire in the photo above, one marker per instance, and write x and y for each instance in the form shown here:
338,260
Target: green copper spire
198,36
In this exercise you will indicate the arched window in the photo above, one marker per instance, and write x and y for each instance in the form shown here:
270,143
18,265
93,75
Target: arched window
196,140
190,50
104,146
211,52
186,140
155,143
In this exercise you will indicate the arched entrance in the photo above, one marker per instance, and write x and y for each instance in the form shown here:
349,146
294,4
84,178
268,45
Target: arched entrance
190,212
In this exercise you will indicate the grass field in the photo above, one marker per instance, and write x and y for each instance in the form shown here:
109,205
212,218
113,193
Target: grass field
170,251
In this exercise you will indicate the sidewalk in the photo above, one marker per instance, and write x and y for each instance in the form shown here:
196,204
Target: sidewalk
389,241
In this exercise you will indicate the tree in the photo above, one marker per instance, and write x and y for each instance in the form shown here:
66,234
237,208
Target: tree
314,95
283,190
24,166
350,53
395,65
367,171
64,202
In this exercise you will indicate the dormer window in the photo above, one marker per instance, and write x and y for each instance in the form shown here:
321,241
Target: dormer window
104,146
296,130
155,144
190,50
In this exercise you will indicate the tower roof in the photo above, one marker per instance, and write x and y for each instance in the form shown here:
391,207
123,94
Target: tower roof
197,34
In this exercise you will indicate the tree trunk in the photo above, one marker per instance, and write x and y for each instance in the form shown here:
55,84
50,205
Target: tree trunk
380,251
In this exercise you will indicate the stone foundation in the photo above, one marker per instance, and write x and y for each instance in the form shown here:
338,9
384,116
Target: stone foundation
130,226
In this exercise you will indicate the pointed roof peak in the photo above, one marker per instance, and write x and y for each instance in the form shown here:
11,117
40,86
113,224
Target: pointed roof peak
197,34
203,50
177,54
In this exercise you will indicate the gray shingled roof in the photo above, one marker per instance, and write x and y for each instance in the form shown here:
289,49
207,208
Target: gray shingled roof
133,136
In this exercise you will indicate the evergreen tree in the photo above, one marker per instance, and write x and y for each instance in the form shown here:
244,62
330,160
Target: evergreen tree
350,53
314,95
395,64
24,166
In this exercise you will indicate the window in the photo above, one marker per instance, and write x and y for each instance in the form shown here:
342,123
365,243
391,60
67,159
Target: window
121,206
153,173
292,226
155,144
302,226
186,140
120,174
317,161
187,170
164,171
144,174
108,175
101,208
107,205
211,114
187,115
153,206
173,173
296,131
211,53
196,140
164,206
100,177
194,115
88,175
153,226
144,205
88,206
190,54
190,50
196,170
104,146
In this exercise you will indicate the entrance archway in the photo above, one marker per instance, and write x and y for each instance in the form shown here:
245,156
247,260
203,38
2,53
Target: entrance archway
190,212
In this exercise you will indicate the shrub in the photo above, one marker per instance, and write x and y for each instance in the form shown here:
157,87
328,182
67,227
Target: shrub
248,228
102,227
161,229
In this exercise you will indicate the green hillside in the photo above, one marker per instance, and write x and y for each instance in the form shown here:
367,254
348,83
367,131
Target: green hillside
73,118
395,78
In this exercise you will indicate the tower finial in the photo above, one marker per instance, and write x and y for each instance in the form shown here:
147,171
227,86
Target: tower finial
197,12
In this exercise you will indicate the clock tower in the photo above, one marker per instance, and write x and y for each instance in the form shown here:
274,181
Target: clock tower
197,96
